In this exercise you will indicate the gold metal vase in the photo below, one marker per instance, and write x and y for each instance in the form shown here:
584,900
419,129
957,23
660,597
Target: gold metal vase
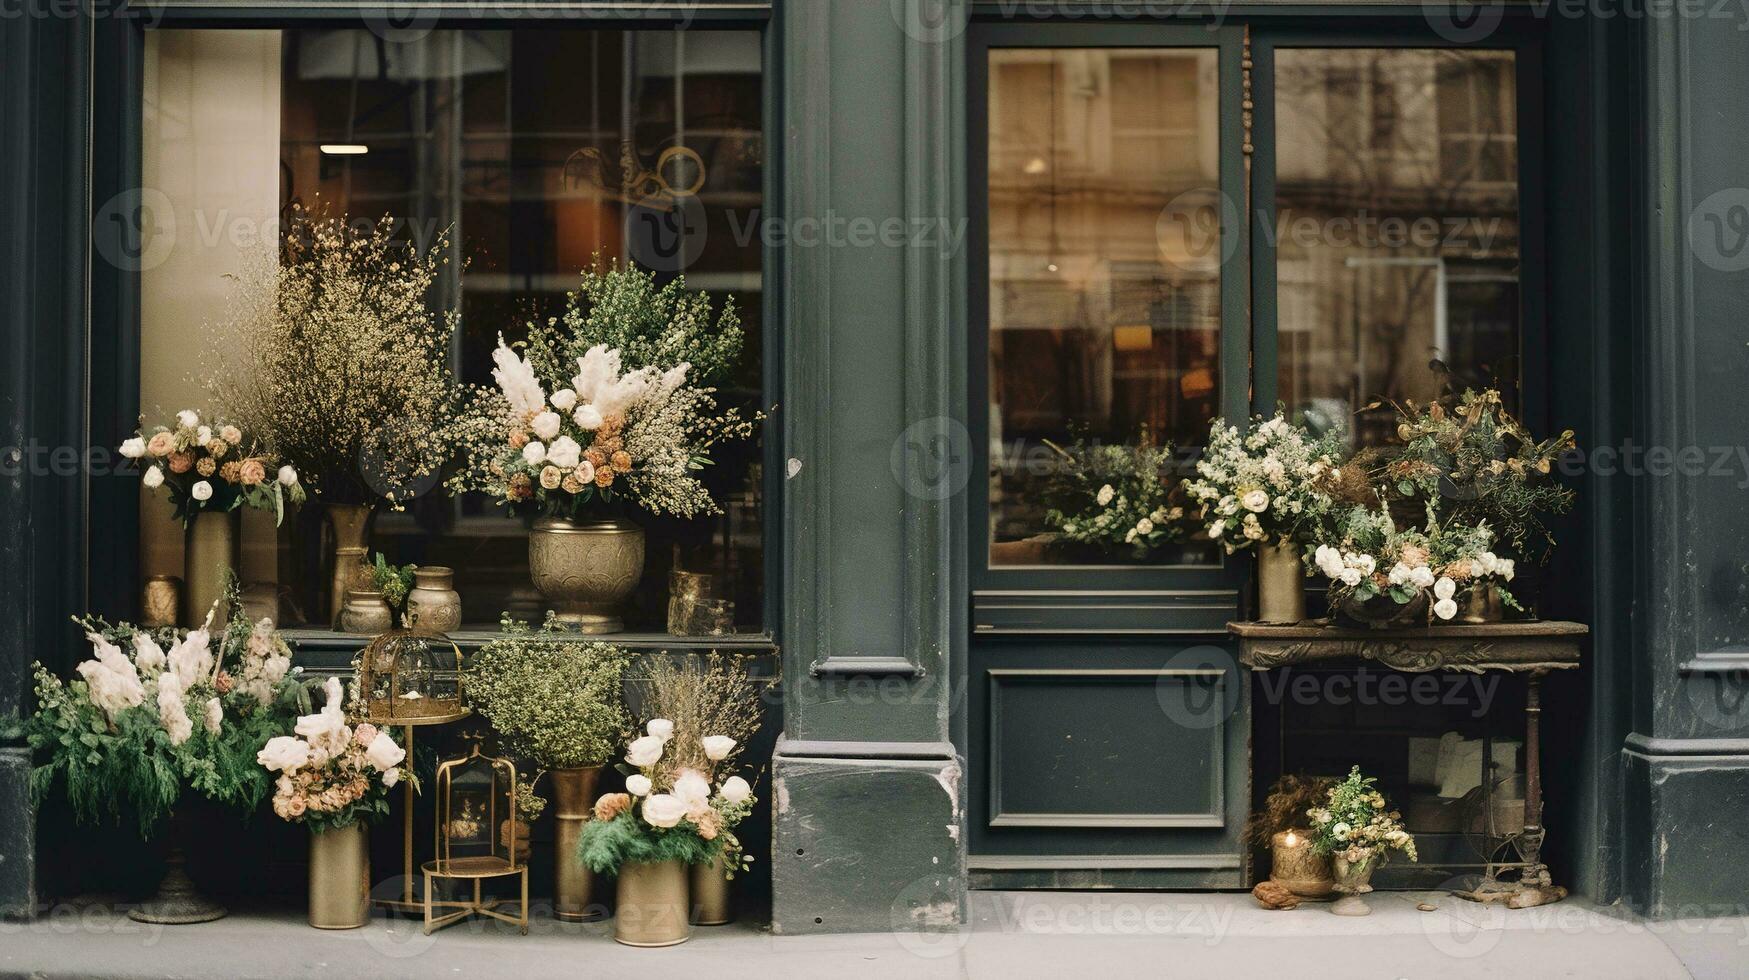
351,526
1482,604
208,556
713,899
1281,584
585,570
340,877
651,908
573,884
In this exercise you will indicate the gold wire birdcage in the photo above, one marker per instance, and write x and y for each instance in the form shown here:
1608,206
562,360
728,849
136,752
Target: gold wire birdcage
411,676
476,794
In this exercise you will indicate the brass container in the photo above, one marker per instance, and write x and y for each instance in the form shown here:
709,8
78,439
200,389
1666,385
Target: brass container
1295,866
159,601
586,570
366,613
351,524
433,603
340,877
1281,584
573,802
713,899
1383,612
652,904
1481,605
209,555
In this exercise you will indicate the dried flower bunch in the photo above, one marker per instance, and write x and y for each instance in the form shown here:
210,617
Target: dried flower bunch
155,713
1285,807
669,812
708,693
206,467
575,424
1265,483
337,362
556,703
1354,822
332,774
1365,555
1113,495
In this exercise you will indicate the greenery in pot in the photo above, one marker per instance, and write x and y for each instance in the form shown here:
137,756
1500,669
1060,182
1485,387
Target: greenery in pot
556,703
1113,496
1355,822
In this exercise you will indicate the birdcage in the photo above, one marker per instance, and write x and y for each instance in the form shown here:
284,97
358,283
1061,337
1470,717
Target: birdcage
474,795
411,675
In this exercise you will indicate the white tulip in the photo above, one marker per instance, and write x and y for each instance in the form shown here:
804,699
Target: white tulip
663,810
662,728
735,789
153,478
201,490
1445,609
534,452
644,752
638,784
718,747
564,399
288,476
133,448
1445,588
546,425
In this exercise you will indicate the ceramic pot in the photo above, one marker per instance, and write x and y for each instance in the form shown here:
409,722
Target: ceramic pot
1481,605
351,524
433,603
1294,865
366,613
652,905
586,570
1381,611
573,801
1352,880
713,900
1281,584
208,556
340,877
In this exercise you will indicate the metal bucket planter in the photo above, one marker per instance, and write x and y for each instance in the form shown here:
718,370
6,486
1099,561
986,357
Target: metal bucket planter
652,904
340,877
713,901
1281,584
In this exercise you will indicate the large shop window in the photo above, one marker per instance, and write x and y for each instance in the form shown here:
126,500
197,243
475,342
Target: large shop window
538,150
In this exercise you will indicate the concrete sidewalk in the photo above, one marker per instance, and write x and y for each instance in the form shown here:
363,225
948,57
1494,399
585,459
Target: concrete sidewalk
1039,934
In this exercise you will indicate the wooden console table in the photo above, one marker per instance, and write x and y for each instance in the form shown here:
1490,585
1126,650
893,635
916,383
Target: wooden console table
1530,648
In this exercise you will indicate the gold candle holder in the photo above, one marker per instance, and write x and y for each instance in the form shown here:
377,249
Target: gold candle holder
1294,865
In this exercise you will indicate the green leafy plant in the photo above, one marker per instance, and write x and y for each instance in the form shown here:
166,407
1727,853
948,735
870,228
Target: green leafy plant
393,581
558,703
662,327
1355,821
1114,496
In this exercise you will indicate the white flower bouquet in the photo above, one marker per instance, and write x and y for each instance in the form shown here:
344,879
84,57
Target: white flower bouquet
1114,496
332,774
206,466
1369,560
1264,484
1356,822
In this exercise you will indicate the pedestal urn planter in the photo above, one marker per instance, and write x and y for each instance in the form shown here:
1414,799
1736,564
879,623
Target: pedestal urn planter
585,570
1353,879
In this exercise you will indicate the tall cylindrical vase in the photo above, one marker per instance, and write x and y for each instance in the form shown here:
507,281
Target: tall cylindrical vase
573,884
1281,584
208,557
351,526
651,906
712,899
585,570
340,877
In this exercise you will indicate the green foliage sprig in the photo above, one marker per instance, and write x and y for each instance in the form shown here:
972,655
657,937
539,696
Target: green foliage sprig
606,845
557,703
650,325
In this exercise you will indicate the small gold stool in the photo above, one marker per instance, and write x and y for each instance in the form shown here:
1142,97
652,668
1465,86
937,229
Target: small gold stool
476,840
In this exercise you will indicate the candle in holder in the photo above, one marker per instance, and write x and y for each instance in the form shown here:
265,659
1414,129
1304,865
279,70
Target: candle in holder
1297,867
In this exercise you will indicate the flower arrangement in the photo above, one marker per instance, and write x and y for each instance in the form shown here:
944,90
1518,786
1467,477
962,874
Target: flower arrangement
153,714
576,425
1113,496
1484,466
206,468
1264,483
668,812
337,362
332,774
1354,823
557,704
1368,557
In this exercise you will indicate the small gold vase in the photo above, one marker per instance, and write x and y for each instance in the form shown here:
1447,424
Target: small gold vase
340,877
573,802
1281,584
652,904
351,525
713,899
1482,604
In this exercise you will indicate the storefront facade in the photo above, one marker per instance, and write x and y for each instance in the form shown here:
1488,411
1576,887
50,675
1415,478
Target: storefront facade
927,671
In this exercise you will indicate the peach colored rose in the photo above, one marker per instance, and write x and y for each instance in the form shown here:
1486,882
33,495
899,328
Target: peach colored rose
551,477
231,472
218,447
521,488
223,683
572,483
365,733
707,823
295,807
604,477
518,439
595,457
252,473
161,444
622,462
181,462
231,434
206,466
611,805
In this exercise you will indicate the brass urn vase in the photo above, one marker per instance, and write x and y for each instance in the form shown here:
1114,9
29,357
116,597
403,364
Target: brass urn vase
586,569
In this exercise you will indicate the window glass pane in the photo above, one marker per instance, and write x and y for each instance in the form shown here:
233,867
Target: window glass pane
1104,299
1397,223
538,149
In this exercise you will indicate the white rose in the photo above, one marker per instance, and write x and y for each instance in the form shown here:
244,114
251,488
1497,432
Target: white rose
283,753
187,419
546,425
564,399
585,471
1488,562
587,417
1445,609
1216,529
1445,588
1422,577
153,478
736,790
1340,831
638,784
663,810
662,728
534,452
391,777
1144,526
287,475
1255,501
201,490
718,747
383,753
1105,495
133,448
1506,568
1366,564
1399,574
204,434
692,789
1350,577
644,751
564,452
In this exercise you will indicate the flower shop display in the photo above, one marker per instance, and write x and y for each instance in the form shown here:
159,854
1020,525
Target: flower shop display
334,778
1113,496
1381,575
157,716
1263,488
475,794
597,416
208,470
1357,830
557,705
335,360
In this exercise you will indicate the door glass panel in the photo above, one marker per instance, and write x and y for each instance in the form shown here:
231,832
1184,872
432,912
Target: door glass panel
1397,224
1105,254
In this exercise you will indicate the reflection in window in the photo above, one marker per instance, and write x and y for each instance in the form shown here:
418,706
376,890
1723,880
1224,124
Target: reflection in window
1104,301
1398,247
